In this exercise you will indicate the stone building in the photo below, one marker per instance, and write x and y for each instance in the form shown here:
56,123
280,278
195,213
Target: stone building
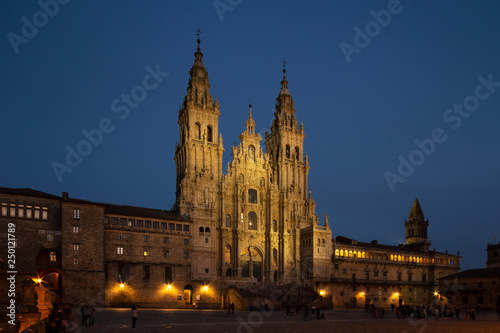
475,287
366,273
244,231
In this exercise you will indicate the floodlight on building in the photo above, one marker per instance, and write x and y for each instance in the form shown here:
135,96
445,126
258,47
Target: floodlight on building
169,286
205,288
436,293
122,285
38,280
322,292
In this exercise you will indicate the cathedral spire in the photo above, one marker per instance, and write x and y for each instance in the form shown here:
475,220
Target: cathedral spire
416,212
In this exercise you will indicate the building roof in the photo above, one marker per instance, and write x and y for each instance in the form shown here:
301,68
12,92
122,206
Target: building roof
416,211
28,192
374,245
144,212
109,208
475,273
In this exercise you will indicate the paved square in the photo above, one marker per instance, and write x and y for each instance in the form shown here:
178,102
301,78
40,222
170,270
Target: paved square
207,321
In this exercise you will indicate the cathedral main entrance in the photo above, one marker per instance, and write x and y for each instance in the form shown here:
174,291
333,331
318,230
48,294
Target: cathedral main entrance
251,262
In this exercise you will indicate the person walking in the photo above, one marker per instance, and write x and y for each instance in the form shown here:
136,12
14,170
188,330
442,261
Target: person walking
134,316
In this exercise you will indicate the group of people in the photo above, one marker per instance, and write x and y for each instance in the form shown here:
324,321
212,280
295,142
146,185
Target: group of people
87,312
230,308
424,312
293,312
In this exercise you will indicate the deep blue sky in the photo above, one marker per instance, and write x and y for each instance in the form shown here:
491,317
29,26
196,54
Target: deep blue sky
359,117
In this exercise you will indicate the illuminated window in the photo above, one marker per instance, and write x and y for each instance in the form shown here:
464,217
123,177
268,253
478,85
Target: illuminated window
76,247
4,209
147,252
20,211
119,250
75,261
252,221
76,213
131,222
337,252
13,210
52,256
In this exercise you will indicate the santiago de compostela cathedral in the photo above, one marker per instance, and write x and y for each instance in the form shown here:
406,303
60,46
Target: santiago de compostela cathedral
234,237
260,208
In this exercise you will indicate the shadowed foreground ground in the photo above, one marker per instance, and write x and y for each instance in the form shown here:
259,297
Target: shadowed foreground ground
155,320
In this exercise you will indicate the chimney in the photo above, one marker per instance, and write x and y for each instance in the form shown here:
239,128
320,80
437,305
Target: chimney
65,195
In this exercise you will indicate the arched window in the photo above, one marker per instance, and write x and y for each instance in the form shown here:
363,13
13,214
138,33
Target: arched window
228,221
207,232
297,153
209,133
341,253
363,255
251,152
197,131
275,226
252,221
252,196
337,252
322,242
319,242
227,255
287,151
202,233
275,257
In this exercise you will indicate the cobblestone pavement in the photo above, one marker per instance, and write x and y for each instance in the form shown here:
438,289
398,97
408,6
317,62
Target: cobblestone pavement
207,321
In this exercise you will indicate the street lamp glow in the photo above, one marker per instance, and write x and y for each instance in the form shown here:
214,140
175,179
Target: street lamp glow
122,285
436,293
38,280
205,288
169,286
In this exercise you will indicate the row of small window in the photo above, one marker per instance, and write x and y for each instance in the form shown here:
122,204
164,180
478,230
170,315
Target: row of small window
418,260
123,273
50,233
147,252
22,211
147,238
252,222
308,242
375,273
53,256
146,224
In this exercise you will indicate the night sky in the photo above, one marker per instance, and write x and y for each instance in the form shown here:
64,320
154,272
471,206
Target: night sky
399,100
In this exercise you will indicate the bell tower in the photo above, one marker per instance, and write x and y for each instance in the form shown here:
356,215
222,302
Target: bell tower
198,155
416,227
